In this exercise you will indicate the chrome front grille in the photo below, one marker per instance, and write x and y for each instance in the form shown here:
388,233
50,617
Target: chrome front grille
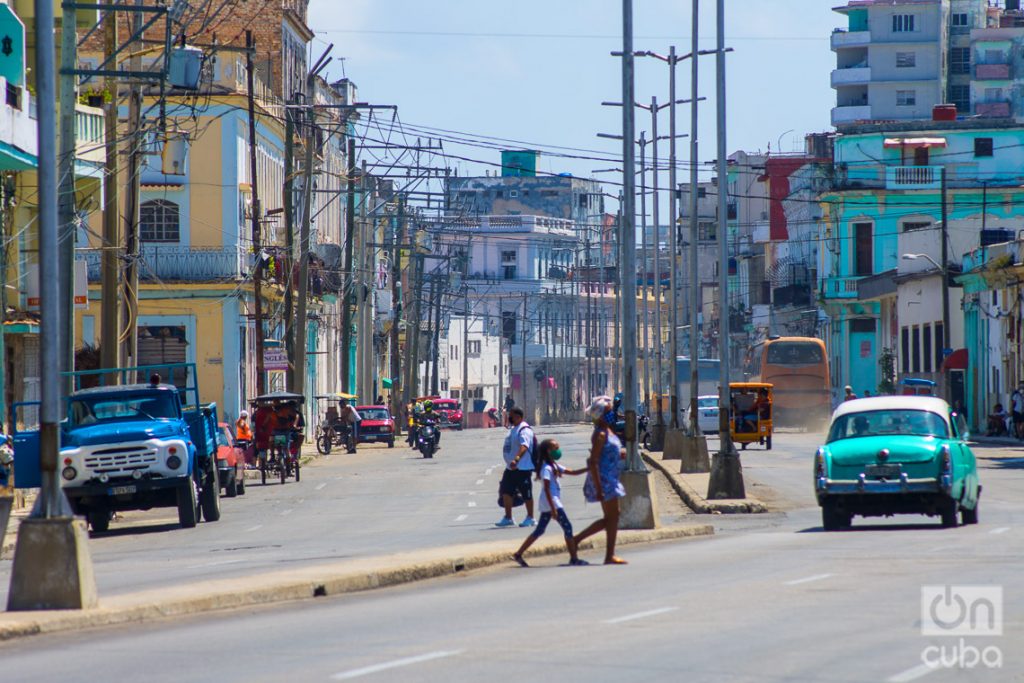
116,461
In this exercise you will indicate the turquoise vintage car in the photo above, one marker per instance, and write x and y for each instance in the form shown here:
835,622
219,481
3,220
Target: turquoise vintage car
896,455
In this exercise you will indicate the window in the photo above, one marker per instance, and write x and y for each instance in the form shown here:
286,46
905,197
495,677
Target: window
910,226
982,147
158,221
473,349
864,252
905,60
508,257
960,95
902,23
453,352
993,94
915,351
959,20
906,98
905,350
927,352
707,231
960,60
702,192
940,340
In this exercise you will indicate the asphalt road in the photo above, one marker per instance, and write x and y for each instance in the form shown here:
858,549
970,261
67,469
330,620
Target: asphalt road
376,502
772,598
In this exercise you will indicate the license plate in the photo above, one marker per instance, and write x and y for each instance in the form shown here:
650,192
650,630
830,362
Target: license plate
882,471
122,490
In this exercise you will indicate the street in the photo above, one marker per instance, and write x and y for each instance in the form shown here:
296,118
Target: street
770,598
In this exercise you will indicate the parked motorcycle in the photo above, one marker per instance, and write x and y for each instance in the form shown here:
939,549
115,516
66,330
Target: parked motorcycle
643,424
426,440
6,463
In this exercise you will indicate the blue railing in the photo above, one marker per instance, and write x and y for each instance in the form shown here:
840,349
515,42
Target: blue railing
175,263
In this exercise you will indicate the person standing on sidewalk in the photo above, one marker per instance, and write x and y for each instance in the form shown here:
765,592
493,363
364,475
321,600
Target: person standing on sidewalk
1017,406
549,472
603,485
515,481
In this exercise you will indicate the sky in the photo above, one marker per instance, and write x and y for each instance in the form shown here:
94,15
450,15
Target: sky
536,71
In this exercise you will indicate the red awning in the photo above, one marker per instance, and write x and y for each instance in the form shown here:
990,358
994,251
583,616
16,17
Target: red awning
956,360
912,143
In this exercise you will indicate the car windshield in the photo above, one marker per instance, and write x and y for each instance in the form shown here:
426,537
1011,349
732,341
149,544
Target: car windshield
87,410
446,405
793,353
374,414
888,422
222,438
707,402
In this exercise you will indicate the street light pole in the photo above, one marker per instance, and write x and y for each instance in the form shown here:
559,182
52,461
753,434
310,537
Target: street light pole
694,298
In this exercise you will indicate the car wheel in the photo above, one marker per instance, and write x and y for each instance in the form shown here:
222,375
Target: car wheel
832,519
949,515
969,516
188,504
768,442
99,520
231,484
297,467
241,484
391,443
209,498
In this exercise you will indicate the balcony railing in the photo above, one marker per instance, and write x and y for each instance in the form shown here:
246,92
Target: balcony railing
851,113
992,110
992,72
860,75
89,134
175,263
913,177
840,287
842,38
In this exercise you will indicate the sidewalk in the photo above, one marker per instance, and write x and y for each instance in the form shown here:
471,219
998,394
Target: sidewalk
690,486
307,582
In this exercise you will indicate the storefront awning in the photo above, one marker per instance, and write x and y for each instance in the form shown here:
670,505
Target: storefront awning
14,159
956,360
913,143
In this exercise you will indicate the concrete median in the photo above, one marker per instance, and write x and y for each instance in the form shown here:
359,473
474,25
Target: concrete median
306,583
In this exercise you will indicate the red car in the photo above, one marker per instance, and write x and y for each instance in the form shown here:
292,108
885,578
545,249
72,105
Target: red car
451,410
230,462
376,426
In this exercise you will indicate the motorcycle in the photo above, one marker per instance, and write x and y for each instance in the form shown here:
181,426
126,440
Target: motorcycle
643,423
6,462
426,440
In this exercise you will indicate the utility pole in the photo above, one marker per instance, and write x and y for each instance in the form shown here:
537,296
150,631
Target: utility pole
299,380
523,343
349,289
659,427
695,293
110,308
132,212
255,216
646,288
726,479
501,359
435,376
944,260
365,294
52,567
289,242
66,189
398,399
465,355
673,314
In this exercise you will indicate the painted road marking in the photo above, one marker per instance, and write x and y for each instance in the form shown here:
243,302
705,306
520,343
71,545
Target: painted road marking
461,518
255,528
320,487
394,664
472,493
471,504
287,512
1000,530
809,579
488,471
479,481
911,674
640,615
214,564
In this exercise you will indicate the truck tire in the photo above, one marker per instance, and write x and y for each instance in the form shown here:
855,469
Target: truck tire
241,485
99,520
209,497
188,505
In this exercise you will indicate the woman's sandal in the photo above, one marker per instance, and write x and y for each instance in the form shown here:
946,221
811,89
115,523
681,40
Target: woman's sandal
616,560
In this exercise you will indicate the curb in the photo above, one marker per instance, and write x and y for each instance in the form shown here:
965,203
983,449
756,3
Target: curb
697,502
304,584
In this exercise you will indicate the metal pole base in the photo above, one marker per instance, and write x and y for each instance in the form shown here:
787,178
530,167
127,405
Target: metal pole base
694,458
657,437
52,566
639,509
726,479
673,444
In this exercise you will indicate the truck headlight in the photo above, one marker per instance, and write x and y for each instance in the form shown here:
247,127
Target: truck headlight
69,473
173,462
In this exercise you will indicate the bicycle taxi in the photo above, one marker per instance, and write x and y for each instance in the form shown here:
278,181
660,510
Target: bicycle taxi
750,413
331,431
277,427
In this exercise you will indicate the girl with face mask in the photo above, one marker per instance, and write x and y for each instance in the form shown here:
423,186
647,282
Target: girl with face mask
549,471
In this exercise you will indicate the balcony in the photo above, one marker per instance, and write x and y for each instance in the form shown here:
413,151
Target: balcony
18,128
992,72
89,135
859,75
913,177
992,110
840,287
841,38
175,263
850,114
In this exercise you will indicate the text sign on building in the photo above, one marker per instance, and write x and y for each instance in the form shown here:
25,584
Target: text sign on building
275,360
12,47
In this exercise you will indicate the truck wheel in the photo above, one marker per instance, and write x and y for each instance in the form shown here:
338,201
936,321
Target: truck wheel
99,520
231,485
768,442
209,498
188,505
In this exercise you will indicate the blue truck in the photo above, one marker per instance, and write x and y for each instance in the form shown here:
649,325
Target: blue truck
133,445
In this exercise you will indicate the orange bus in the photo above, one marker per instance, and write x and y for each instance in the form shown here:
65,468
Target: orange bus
798,367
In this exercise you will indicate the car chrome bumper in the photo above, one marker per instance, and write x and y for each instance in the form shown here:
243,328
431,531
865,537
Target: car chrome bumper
862,484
